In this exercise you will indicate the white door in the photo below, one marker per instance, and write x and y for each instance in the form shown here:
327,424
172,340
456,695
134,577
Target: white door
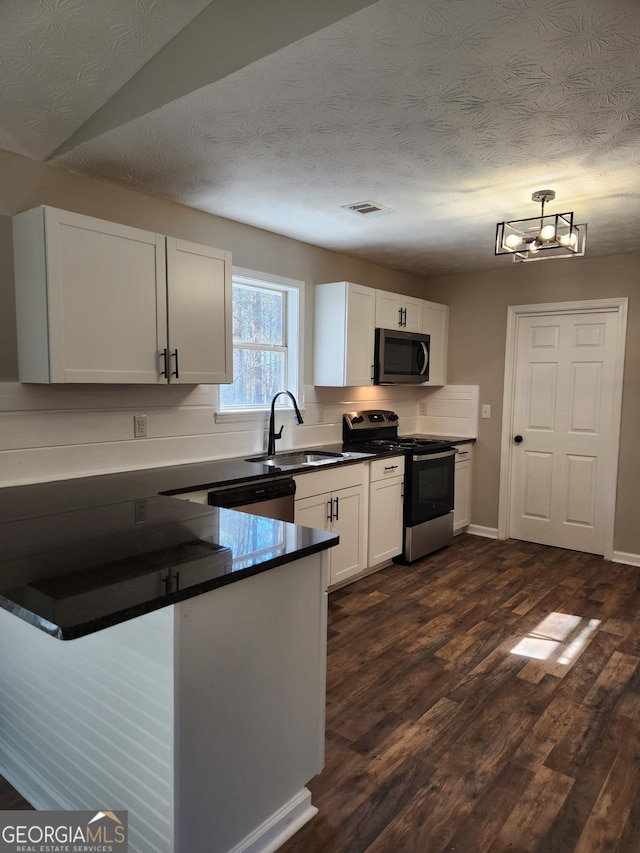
564,412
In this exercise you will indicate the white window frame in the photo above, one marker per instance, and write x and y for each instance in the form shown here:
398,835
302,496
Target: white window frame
293,336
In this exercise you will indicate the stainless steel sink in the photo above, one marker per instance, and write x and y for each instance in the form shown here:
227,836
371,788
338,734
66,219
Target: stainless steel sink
298,458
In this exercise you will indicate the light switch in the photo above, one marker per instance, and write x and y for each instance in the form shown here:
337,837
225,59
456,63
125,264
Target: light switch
486,410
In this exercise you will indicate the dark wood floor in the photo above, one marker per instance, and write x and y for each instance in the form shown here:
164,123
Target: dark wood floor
445,732
484,699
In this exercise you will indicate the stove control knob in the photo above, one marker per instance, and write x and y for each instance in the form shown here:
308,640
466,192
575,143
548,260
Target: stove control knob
358,419
393,416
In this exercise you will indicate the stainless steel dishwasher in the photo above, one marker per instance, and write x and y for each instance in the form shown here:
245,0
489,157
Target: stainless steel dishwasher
272,497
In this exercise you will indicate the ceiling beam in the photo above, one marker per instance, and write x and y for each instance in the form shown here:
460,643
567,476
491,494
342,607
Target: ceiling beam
226,36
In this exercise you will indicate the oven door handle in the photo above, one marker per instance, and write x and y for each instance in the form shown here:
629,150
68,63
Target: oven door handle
423,457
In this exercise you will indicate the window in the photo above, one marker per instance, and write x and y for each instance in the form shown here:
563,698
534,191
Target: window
266,321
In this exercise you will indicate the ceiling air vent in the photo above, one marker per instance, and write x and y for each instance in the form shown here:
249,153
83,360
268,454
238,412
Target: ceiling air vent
368,208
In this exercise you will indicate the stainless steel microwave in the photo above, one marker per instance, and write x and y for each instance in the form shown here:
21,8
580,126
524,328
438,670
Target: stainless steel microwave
401,358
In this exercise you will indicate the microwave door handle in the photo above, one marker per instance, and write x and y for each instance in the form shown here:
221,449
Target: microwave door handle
425,352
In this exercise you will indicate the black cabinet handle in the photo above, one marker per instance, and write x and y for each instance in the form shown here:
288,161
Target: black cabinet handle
337,515
176,372
518,439
390,467
163,356
330,510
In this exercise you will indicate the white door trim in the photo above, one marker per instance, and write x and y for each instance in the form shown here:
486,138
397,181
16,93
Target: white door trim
583,306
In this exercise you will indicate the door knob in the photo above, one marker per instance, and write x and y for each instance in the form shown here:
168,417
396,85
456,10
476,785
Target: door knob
518,439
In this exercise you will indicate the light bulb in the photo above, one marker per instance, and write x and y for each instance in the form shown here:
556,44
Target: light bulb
512,241
568,239
548,233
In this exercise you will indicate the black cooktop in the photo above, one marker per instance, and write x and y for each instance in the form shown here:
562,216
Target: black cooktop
377,429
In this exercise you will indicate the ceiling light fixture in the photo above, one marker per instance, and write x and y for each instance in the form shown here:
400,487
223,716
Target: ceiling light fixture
552,235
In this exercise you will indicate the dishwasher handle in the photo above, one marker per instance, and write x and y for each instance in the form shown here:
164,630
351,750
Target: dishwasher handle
257,491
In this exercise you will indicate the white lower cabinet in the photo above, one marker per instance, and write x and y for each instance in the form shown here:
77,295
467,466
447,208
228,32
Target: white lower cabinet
334,500
385,510
462,487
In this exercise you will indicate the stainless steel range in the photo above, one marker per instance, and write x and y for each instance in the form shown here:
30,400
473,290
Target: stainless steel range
429,477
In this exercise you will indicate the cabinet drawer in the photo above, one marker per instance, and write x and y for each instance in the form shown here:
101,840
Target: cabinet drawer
463,453
390,466
328,480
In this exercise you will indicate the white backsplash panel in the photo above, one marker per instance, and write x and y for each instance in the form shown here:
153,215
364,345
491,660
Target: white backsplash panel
56,432
450,410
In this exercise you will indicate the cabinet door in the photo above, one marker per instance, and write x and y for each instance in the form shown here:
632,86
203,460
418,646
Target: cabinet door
385,520
435,322
348,558
387,310
314,512
344,317
394,311
360,335
462,502
106,300
199,300
412,314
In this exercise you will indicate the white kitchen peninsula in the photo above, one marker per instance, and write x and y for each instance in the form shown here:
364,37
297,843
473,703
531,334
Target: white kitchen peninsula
191,689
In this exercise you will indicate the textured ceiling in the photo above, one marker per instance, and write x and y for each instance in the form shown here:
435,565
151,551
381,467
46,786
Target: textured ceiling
451,112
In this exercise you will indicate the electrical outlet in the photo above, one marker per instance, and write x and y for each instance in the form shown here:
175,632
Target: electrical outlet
139,426
140,512
486,410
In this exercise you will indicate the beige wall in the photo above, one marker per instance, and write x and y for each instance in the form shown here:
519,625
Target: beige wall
477,340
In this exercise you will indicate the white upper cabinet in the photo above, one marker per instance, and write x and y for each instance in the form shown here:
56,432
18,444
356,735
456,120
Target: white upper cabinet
102,302
199,313
435,323
395,311
344,318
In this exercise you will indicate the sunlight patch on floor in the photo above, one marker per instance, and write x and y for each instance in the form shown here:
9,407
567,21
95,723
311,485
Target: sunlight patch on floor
559,636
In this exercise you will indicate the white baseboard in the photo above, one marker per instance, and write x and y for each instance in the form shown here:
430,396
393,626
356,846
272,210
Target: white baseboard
479,530
623,557
273,832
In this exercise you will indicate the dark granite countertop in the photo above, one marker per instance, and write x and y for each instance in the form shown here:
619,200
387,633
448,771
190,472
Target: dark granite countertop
82,570
27,501
82,554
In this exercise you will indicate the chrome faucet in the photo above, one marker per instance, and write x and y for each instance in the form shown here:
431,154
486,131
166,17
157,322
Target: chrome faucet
273,435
